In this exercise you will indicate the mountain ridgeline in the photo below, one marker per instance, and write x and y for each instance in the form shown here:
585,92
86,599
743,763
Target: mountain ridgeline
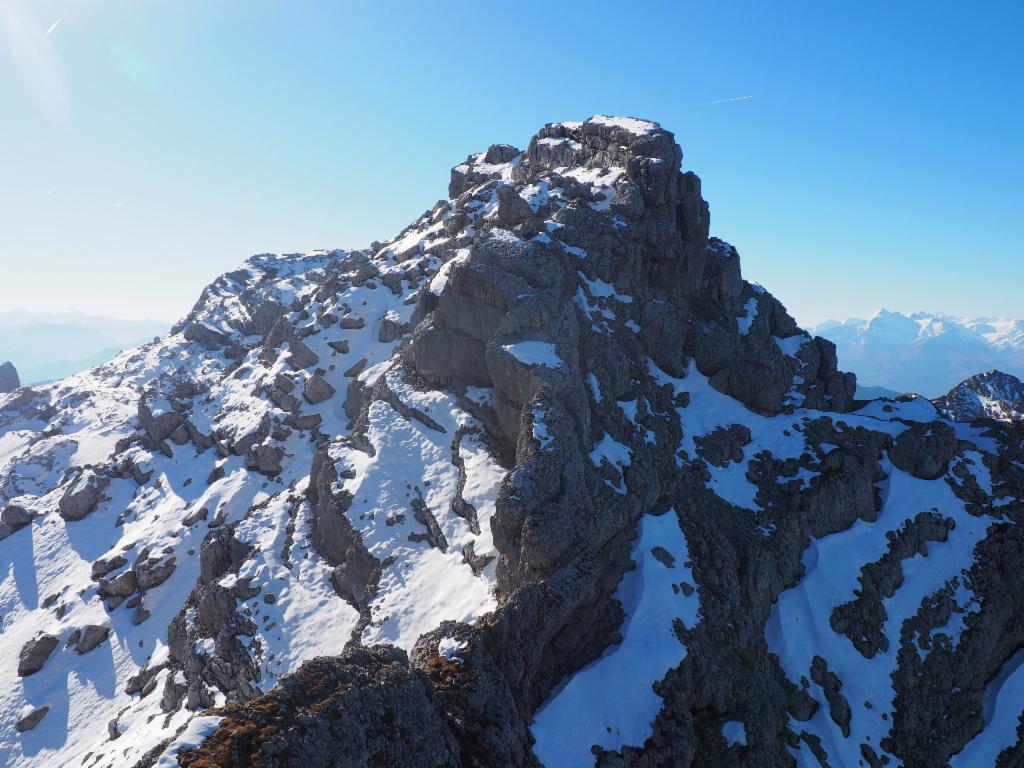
542,481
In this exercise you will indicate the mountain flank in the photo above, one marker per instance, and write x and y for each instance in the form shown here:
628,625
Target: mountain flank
542,481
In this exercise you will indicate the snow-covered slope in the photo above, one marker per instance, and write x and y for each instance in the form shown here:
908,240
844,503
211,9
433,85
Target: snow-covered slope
542,481
923,352
126,469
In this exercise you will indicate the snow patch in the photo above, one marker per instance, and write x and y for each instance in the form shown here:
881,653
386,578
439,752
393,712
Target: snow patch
449,647
611,702
534,353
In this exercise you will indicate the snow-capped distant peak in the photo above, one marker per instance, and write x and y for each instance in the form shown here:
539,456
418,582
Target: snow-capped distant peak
924,352
989,395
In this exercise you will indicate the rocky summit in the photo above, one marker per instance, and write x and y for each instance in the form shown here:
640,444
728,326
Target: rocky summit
9,380
991,395
542,481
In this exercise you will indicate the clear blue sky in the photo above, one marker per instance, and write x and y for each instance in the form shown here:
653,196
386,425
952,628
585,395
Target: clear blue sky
145,147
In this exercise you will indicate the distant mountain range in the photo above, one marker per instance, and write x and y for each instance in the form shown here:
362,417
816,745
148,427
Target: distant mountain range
45,347
924,352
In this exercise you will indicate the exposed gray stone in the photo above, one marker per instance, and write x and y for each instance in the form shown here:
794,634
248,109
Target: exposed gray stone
153,571
31,720
13,518
83,494
92,635
122,585
34,654
9,380
391,328
316,389
925,450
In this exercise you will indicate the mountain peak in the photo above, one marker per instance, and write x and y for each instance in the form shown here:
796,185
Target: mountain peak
990,395
9,380
523,482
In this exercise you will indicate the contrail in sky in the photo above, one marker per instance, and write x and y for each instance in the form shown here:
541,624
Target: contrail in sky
53,26
727,101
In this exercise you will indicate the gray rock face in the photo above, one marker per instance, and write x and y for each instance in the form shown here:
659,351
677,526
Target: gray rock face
9,380
375,711
356,571
839,707
31,720
316,389
209,619
638,280
862,618
13,518
82,495
925,450
91,636
35,653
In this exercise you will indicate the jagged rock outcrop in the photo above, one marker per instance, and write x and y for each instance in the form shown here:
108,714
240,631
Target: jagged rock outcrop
13,518
9,380
365,708
991,395
35,653
83,494
31,720
588,498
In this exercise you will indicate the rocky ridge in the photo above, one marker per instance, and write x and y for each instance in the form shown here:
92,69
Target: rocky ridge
419,504
991,395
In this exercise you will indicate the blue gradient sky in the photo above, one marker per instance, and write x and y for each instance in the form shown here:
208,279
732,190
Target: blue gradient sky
148,146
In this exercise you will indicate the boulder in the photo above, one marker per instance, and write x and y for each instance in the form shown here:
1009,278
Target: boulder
82,495
31,720
91,636
105,565
301,356
512,208
122,585
316,389
352,322
34,654
265,459
154,571
13,518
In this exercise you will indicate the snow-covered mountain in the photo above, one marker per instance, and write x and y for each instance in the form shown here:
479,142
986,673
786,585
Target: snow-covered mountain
925,353
540,482
991,395
49,346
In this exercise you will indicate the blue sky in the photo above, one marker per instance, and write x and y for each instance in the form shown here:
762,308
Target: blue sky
858,154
